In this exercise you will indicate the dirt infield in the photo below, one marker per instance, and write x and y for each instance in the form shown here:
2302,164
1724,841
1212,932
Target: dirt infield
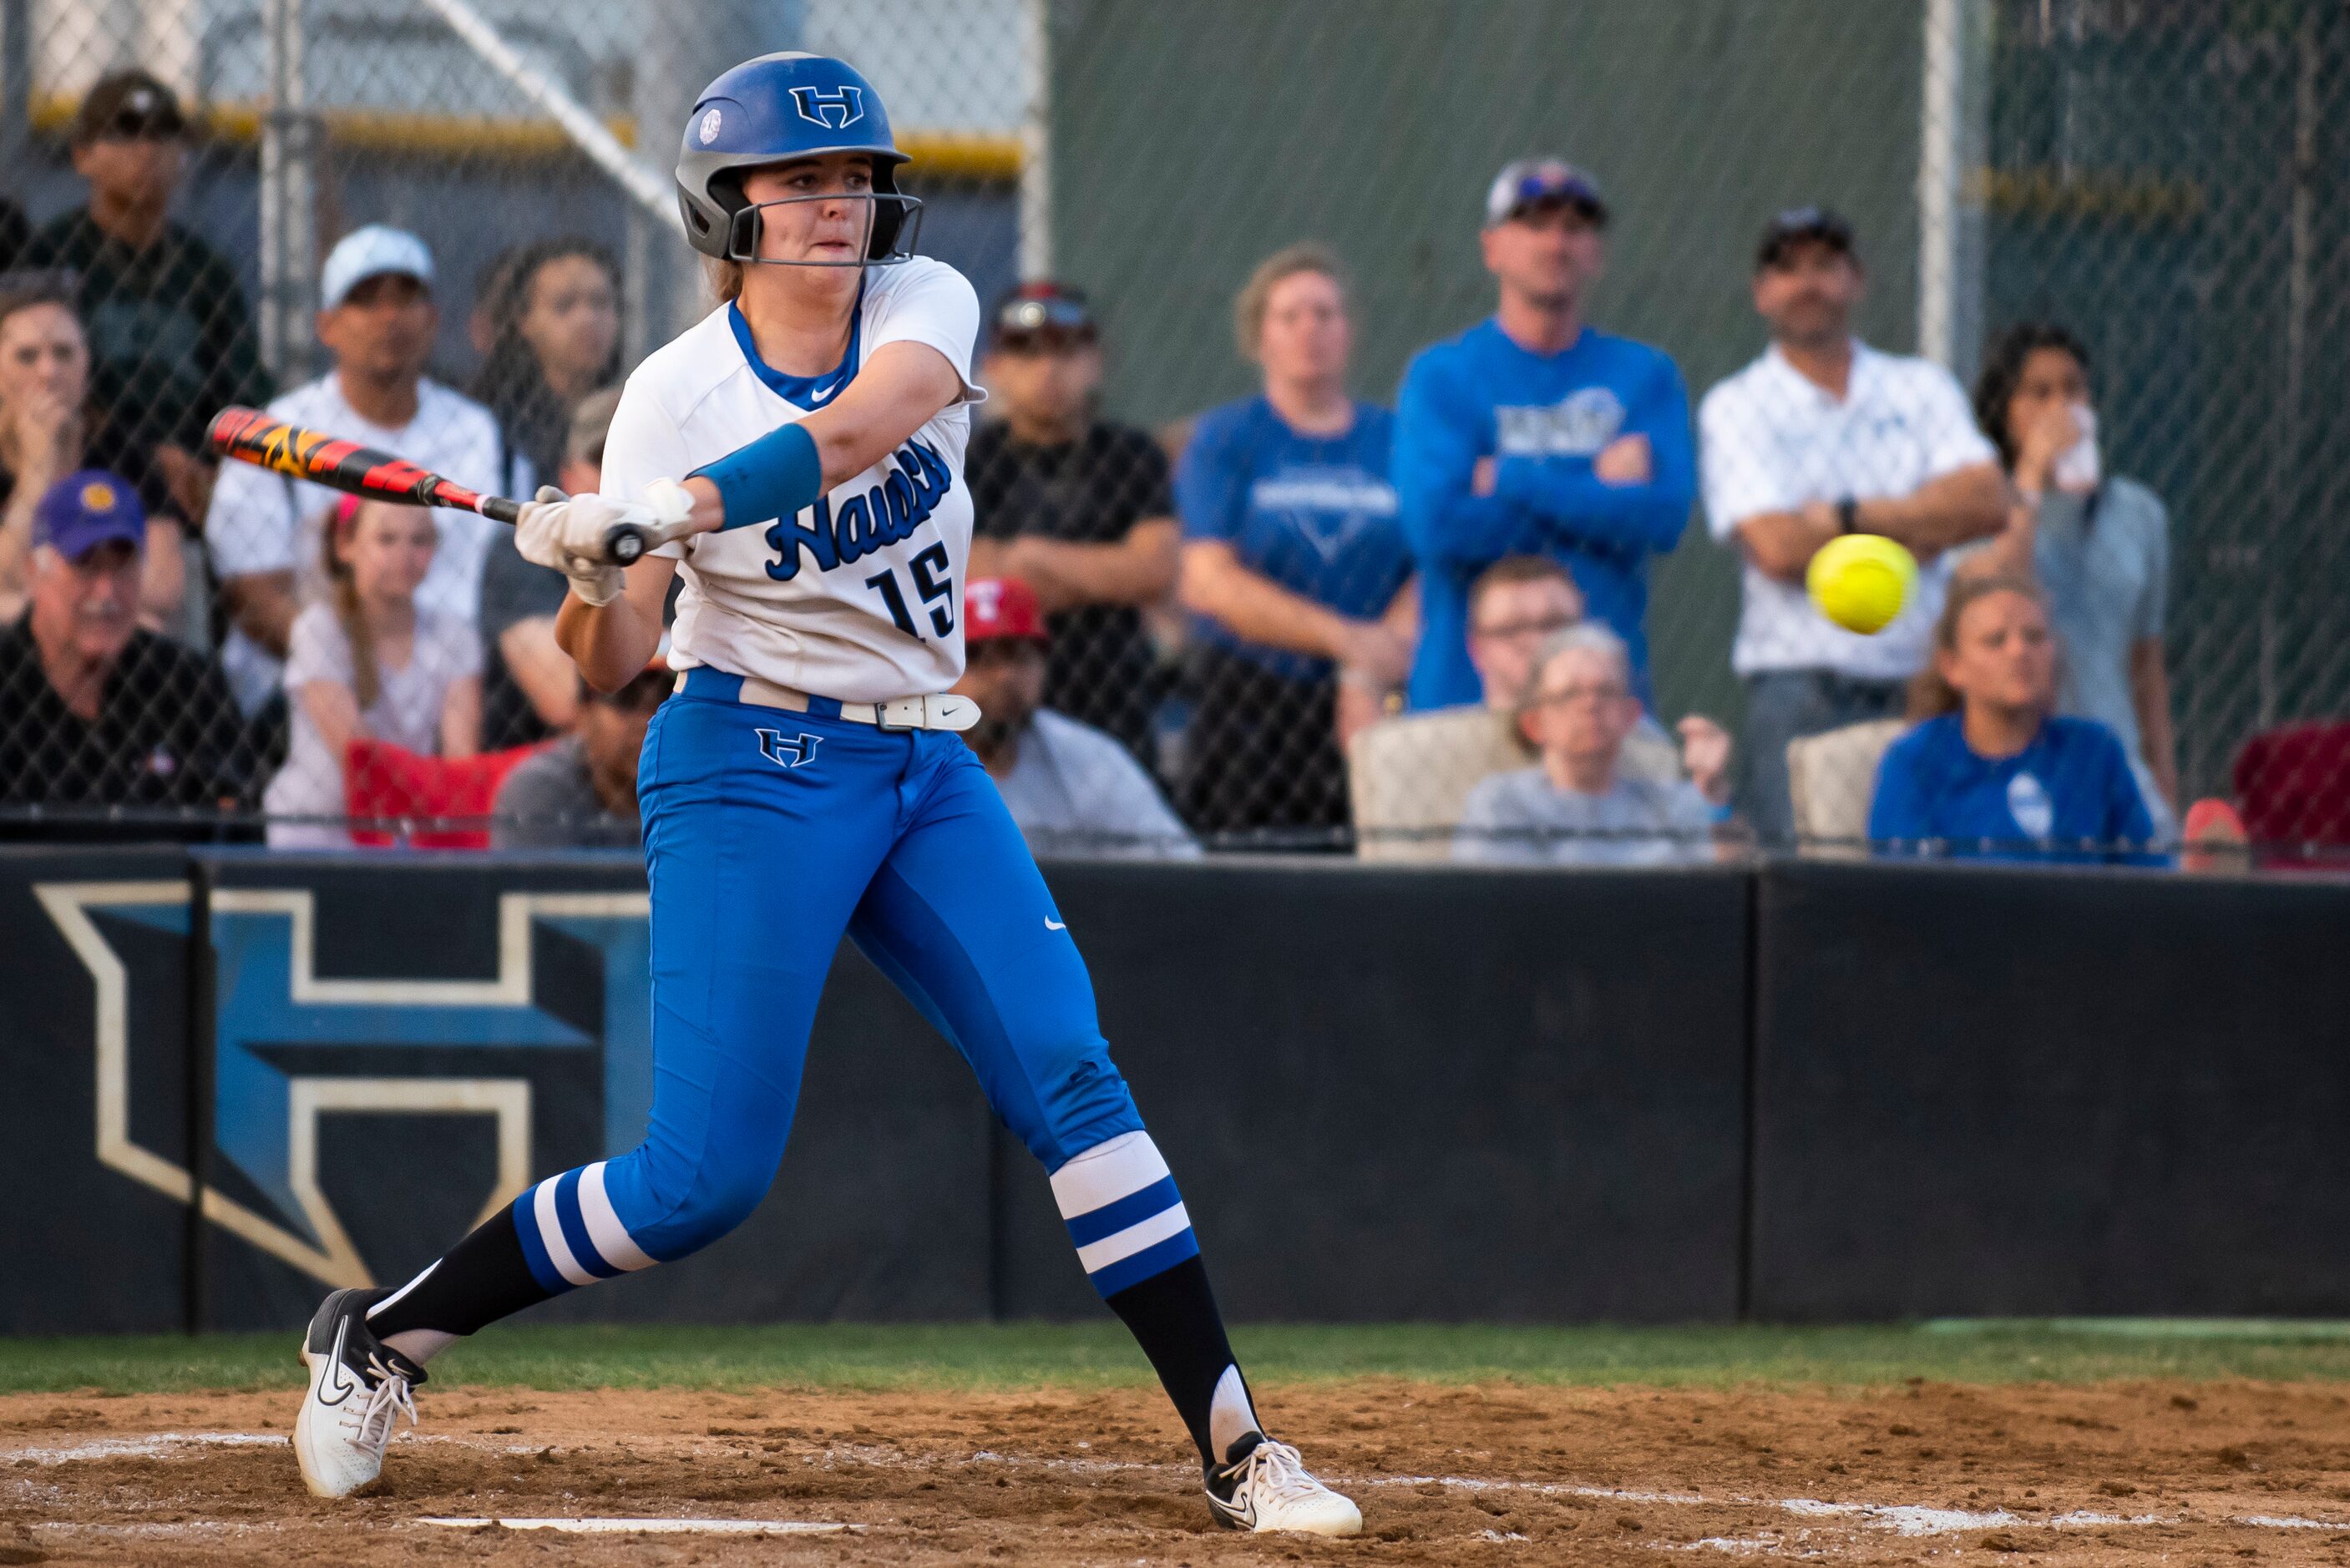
1499,1473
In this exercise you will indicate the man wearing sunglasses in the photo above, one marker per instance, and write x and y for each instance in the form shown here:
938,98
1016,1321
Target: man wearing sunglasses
171,340
1080,508
1535,433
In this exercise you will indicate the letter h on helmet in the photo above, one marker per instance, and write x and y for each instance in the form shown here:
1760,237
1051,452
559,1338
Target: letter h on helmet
773,109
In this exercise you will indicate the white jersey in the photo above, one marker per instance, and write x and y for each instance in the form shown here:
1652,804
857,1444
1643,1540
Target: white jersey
858,597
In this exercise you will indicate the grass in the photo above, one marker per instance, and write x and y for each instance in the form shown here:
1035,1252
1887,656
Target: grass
1098,1354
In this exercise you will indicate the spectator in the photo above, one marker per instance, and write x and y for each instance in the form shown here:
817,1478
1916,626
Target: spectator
1292,562
2099,545
530,687
1993,771
1072,788
1824,435
371,661
1577,806
555,338
378,320
581,792
171,339
1412,775
98,711
49,428
1076,507
1533,434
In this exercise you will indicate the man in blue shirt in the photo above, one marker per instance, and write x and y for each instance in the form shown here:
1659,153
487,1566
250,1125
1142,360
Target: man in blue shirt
1533,434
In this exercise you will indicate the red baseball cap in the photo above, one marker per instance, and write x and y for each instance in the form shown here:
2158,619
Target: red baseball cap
1001,607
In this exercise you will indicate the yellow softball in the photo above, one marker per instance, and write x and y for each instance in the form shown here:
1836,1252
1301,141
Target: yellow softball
1860,581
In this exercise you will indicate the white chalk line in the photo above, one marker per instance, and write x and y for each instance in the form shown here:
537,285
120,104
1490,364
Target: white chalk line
1902,1519
654,1526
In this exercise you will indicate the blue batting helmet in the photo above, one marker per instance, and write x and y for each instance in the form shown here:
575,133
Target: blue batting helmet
770,109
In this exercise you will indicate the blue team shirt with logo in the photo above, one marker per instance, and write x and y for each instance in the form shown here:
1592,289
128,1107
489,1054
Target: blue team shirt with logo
1315,515
2071,787
1542,418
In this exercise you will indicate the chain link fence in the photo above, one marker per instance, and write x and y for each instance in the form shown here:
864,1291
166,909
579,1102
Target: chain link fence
1325,557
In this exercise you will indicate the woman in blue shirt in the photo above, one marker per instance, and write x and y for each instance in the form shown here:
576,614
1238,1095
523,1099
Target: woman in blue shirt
1996,773
1293,566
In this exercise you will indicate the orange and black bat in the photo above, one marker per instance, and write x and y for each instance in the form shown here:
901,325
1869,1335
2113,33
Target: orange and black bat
251,436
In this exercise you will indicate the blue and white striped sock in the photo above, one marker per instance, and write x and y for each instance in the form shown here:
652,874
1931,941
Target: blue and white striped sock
570,1236
1123,1213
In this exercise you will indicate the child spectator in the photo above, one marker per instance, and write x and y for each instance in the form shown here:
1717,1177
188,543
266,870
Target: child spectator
2099,545
368,663
1993,772
1577,806
377,318
1294,563
49,429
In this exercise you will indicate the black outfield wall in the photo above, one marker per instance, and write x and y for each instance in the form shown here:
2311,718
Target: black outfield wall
2025,1092
1803,1092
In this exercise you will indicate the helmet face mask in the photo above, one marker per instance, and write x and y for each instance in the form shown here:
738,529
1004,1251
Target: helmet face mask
893,222
779,109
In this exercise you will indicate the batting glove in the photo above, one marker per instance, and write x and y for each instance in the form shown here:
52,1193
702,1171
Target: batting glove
566,533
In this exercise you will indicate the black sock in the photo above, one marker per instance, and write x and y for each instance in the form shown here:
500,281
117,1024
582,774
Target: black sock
480,1280
1172,1315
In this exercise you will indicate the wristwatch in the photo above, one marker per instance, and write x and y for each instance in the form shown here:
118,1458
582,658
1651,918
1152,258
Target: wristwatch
1847,513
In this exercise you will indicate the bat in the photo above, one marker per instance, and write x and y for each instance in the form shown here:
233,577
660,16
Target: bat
251,436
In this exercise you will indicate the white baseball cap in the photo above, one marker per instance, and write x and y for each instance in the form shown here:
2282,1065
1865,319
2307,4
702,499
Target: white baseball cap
371,252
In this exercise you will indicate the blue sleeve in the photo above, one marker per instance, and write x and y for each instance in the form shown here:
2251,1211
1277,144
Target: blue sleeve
1897,812
1209,486
1580,506
1438,437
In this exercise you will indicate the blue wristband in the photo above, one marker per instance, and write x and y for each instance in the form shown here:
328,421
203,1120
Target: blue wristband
774,476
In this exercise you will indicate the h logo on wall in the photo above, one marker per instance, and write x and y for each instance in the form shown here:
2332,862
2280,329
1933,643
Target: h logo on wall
449,1077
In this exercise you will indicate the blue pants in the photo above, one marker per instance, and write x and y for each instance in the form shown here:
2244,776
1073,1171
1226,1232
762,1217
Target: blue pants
769,835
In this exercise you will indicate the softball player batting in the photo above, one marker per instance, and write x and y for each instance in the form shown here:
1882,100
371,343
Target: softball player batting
805,781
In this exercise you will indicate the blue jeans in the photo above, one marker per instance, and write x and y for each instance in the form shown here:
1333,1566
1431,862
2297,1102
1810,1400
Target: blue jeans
1783,705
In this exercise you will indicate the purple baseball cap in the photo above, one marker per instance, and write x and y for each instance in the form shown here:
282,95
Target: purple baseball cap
85,510
1527,181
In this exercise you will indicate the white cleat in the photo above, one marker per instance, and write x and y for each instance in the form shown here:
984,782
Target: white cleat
1264,1485
358,1387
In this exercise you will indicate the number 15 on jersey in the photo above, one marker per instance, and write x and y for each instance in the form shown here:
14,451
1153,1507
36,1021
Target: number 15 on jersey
933,581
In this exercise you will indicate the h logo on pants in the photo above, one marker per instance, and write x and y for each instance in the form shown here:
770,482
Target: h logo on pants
788,751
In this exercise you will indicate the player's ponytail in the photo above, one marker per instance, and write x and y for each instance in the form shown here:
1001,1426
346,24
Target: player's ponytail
726,281
343,598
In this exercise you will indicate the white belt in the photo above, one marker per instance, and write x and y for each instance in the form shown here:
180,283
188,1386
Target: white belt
941,711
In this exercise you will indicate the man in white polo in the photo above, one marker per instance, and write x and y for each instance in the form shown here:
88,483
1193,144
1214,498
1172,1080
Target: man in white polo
1824,435
376,317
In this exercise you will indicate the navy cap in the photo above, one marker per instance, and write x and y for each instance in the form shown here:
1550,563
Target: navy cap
85,510
1824,224
1525,181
